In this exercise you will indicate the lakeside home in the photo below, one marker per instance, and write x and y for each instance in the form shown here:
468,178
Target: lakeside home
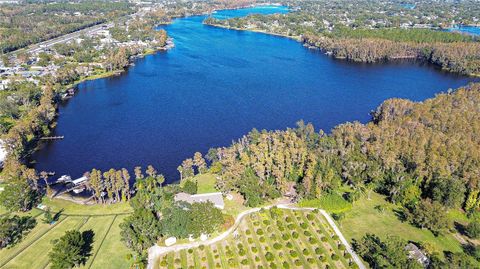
216,198
3,153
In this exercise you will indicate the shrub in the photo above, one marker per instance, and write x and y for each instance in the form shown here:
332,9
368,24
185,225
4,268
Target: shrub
285,265
244,262
295,235
217,256
177,260
231,262
291,226
289,245
306,252
323,258
312,240
204,259
285,237
310,260
335,257
201,247
347,255
273,266
254,249
266,222
288,219
310,216
318,251
269,229
259,232
280,228
250,240
335,237
307,233
269,256
324,239
293,254
257,258
217,265
163,263
190,251
277,246
303,225
261,239
298,262
247,232
341,247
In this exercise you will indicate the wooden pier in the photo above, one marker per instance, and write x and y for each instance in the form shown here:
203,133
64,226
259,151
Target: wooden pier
52,137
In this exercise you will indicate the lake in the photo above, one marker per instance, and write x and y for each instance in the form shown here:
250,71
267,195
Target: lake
214,87
467,29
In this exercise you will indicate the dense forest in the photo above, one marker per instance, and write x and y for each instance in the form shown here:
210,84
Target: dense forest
411,152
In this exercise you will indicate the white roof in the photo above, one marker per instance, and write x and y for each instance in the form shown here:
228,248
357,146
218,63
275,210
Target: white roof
3,152
79,180
215,197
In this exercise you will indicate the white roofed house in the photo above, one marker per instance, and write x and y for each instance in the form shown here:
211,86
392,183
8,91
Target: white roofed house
215,197
3,153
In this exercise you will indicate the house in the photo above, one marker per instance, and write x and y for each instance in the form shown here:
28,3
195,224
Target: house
3,154
415,253
215,197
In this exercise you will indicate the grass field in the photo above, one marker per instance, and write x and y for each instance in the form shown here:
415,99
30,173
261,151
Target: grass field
107,252
288,239
364,218
206,183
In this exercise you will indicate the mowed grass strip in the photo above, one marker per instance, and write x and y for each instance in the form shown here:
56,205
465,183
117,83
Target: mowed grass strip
38,231
36,255
99,225
112,253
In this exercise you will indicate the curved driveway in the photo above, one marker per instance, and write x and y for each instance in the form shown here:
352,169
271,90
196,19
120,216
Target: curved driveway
155,251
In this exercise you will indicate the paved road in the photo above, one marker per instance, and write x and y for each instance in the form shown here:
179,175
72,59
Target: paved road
156,251
64,38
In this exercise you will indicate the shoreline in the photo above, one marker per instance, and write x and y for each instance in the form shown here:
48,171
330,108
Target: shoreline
328,53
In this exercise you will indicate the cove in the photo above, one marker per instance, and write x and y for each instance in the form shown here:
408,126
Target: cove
212,88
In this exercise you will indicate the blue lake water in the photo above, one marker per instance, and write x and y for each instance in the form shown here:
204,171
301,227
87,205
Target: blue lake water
214,87
473,30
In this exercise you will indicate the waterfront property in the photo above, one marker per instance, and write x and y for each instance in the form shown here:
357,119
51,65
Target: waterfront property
214,87
216,198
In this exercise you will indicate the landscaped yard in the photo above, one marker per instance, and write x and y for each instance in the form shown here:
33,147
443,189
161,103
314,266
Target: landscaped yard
205,183
107,252
365,218
277,238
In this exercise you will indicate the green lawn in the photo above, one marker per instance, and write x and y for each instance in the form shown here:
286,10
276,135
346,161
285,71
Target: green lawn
364,218
289,239
206,183
112,254
108,252
71,208
36,254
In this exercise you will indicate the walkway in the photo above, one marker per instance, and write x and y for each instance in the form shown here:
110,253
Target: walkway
156,251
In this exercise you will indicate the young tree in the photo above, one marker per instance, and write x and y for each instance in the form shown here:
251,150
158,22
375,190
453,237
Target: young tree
71,250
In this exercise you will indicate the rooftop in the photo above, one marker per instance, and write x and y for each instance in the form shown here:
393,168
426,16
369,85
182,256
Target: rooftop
215,197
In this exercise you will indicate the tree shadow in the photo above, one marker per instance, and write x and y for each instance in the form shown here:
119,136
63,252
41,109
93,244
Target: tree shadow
87,247
460,228
58,214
